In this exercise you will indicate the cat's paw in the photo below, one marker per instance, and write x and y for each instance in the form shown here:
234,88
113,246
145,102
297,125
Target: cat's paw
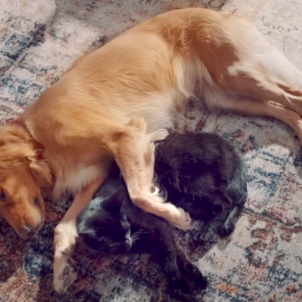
184,280
178,290
203,237
64,273
200,280
194,275
181,219
185,289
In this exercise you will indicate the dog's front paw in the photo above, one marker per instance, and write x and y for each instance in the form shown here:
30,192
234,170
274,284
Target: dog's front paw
180,219
64,273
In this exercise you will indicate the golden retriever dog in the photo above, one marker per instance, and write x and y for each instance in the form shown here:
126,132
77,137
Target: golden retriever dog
114,102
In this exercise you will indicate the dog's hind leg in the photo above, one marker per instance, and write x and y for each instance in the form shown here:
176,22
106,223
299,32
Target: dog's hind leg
256,69
265,87
134,154
285,115
266,108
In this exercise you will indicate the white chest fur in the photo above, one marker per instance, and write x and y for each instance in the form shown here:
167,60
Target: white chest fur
78,178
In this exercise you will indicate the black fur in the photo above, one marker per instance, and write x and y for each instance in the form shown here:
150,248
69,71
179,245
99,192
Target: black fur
202,173
202,170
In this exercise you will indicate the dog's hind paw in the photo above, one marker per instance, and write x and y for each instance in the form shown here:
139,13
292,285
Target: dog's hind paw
64,273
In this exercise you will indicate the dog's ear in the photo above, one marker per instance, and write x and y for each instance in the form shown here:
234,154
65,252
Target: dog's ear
41,171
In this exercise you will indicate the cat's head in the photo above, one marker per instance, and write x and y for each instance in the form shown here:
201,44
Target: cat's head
102,225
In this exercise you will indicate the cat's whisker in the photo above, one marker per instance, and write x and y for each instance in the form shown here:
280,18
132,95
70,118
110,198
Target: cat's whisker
137,235
139,232
134,239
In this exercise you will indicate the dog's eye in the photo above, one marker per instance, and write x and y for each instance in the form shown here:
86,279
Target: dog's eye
37,202
2,195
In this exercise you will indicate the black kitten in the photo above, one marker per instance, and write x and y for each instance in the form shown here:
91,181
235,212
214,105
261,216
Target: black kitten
202,170
199,172
112,225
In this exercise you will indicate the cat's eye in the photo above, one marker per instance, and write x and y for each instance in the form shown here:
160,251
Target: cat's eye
2,195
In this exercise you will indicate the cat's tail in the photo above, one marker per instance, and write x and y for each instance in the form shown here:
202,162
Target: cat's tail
229,225
236,194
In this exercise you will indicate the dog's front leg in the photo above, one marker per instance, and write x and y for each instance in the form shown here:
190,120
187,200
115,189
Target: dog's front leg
134,154
65,235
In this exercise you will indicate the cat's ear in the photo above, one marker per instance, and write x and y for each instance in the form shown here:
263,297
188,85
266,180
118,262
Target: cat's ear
83,230
114,203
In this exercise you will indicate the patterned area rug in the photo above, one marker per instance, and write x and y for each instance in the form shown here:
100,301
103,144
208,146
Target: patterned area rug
262,261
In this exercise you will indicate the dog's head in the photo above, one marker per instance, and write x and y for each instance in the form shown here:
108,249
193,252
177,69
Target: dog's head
22,175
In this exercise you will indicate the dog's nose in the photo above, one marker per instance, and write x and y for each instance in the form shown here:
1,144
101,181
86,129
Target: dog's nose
28,233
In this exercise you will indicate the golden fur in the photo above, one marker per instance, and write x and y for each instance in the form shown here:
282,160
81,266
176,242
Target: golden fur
115,101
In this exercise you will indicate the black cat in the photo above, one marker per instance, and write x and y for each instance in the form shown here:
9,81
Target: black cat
200,172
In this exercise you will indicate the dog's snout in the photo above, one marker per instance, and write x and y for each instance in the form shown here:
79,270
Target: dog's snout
28,232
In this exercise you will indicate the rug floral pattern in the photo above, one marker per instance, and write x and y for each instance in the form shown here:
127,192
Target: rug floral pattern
262,261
